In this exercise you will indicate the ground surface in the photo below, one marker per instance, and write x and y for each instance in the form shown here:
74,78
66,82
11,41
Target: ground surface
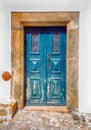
42,120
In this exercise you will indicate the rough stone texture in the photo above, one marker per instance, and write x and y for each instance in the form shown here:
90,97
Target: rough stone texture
76,116
13,108
2,111
41,120
69,19
62,109
7,110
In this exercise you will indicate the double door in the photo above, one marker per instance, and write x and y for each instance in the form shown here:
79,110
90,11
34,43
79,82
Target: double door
45,65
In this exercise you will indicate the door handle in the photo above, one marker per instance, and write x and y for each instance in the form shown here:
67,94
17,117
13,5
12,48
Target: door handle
48,57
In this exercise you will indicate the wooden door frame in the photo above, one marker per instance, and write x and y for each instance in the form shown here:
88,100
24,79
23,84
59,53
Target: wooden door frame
22,19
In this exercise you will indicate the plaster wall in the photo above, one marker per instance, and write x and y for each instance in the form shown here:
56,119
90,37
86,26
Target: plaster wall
84,7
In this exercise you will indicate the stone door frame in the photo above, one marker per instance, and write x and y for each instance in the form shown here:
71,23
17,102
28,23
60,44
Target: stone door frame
22,19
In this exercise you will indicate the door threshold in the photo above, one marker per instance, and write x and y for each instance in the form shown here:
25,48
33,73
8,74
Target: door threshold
62,109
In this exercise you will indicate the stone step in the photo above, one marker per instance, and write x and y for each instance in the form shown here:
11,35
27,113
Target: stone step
7,110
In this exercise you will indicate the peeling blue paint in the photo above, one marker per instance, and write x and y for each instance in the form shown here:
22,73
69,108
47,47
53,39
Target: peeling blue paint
45,65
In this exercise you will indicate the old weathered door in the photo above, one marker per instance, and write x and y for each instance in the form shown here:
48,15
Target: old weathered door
45,65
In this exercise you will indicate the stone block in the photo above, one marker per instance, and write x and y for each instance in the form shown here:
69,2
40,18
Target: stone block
3,111
7,110
13,108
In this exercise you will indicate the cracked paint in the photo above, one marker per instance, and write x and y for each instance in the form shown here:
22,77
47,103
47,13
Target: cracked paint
28,90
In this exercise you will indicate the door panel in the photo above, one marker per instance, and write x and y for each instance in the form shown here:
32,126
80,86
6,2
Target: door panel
45,65
35,64
56,67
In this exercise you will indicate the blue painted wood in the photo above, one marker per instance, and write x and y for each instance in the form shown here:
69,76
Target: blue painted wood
45,65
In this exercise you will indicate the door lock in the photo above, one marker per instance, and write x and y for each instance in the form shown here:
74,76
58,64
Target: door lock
48,57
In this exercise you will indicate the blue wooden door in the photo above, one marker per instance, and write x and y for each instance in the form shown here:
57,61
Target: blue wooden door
45,65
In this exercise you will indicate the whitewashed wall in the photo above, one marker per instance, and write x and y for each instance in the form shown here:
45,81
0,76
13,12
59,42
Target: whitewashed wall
83,6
